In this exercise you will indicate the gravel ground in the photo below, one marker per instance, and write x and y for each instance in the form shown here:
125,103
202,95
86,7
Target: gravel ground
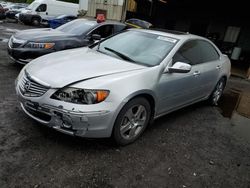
193,147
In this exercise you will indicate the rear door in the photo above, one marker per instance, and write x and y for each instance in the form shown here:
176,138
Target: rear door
211,66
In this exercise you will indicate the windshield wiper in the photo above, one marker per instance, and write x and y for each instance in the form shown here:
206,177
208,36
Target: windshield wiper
120,54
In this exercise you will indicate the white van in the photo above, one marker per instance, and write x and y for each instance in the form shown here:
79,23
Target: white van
44,9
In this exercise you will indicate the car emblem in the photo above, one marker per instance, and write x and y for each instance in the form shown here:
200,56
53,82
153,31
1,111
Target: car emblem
27,86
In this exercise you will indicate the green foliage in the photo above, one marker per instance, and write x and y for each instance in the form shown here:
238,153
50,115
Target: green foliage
29,1
17,1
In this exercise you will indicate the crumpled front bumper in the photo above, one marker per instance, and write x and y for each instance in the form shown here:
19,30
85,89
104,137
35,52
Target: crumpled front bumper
90,124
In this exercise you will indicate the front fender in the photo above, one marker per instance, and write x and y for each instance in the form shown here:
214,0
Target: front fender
68,44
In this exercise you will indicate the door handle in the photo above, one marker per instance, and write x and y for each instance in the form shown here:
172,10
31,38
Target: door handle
196,73
218,67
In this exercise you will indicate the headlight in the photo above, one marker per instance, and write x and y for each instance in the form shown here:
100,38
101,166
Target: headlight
10,40
15,40
40,45
80,96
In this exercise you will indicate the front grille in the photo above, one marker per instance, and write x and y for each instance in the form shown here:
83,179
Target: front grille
39,115
31,88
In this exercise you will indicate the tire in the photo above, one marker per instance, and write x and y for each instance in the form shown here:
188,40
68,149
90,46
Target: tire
131,121
35,21
217,92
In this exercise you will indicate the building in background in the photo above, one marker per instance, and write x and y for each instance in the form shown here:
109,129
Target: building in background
112,9
224,22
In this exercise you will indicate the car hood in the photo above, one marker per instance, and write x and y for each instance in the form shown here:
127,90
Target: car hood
41,34
70,66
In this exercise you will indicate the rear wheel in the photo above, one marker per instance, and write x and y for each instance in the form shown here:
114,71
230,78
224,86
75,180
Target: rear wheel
131,121
218,91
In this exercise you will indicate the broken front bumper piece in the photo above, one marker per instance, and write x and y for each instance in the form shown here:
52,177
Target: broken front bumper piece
83,124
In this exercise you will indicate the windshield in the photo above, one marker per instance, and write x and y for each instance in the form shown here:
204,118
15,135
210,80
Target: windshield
77,27
33,5
138,47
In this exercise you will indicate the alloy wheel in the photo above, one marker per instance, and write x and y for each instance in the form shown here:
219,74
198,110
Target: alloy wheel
133,122
218,92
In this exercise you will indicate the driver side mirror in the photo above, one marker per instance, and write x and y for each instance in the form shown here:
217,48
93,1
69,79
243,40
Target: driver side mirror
96,37
179,67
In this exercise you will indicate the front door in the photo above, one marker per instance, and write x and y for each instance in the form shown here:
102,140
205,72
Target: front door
179,89
42,11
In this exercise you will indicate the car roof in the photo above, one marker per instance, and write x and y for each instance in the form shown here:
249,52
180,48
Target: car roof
93,21
170,33
112,22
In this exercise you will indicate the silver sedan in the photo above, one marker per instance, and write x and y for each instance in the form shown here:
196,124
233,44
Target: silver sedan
121,84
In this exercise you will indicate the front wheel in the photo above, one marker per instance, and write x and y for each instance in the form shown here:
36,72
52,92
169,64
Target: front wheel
131,121
35,21
218,91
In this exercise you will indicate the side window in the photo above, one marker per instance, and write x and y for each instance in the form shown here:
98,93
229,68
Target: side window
42,8
104,31
188,53
118,28
196,52
208,52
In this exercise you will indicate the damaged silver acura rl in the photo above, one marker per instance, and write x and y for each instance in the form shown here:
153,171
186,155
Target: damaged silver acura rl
119,85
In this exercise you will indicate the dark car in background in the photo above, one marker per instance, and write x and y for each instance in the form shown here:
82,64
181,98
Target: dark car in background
58,21
137,23
27,45
15,9
2,12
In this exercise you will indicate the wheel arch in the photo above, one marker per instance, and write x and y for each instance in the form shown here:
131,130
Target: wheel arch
148,95
140,94
38,17
151,101
224,77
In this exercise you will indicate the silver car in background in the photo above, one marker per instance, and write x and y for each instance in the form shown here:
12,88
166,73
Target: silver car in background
115,88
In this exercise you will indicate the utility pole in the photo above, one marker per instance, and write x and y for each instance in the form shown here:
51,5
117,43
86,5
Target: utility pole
151,7
124,10
83,8
83,5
